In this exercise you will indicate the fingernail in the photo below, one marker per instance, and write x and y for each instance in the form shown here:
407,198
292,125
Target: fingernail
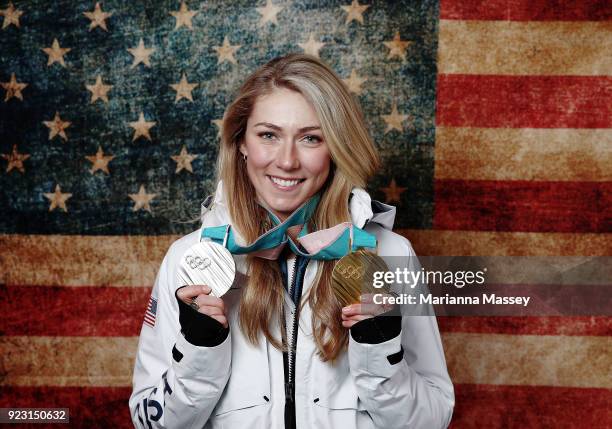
346,309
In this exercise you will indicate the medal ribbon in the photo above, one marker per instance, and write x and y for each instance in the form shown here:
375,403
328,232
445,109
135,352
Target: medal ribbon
325,244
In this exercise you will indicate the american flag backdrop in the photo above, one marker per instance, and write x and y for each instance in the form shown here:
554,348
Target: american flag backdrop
493,119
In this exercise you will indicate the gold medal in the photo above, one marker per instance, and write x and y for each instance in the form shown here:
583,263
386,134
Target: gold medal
353,275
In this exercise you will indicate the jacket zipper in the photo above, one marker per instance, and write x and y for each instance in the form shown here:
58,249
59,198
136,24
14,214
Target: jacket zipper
292,340
289,356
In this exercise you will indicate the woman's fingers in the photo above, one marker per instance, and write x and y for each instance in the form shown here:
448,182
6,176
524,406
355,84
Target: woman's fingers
186,293
198,296
209,301
211,306
349,322
210,310
221,319
354,313
368,309
357,317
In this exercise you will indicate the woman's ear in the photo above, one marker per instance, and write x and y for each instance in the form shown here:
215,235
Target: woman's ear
243,149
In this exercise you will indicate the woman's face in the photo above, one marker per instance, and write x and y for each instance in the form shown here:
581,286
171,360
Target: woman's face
287,159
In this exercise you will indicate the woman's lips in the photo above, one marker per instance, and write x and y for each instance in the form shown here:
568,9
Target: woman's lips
284,184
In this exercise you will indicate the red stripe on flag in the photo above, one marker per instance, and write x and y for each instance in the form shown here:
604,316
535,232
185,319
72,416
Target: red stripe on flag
514,325
90,407
524,101
21,315
73,311
487,406
523,206
476,405
527,10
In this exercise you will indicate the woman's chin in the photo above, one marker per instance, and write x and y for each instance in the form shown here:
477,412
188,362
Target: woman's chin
284,210
283,207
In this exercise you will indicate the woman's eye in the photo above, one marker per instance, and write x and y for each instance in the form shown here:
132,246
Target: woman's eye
312,139
265,134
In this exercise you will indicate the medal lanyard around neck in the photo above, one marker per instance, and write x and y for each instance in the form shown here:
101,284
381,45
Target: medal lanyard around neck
325,244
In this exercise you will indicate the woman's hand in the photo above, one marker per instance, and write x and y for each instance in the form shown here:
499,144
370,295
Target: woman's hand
199,296
354,313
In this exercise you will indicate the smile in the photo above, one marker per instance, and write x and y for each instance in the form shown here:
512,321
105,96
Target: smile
286,184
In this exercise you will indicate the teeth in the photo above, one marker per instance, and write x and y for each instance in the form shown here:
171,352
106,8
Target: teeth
285,183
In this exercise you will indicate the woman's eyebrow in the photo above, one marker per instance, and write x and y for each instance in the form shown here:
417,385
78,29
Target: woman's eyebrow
276,127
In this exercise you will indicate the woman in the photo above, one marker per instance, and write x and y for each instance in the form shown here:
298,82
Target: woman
278,350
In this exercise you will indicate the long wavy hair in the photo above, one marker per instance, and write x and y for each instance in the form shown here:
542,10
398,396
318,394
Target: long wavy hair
354,160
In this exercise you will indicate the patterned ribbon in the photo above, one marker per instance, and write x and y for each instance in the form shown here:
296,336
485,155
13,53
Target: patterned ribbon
326,244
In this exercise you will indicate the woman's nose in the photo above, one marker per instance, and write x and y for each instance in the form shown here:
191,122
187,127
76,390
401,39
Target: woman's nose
287,157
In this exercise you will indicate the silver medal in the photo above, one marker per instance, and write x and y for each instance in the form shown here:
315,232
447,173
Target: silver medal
207,263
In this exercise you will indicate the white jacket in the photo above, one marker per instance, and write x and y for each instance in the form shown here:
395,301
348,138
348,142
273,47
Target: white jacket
238,385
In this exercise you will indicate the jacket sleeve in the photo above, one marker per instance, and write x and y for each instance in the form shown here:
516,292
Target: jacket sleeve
175,383
403,381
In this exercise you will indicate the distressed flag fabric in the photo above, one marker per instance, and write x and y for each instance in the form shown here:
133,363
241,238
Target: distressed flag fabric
523,166
492,118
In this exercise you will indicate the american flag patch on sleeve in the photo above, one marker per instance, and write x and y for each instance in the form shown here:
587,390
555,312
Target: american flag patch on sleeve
149,317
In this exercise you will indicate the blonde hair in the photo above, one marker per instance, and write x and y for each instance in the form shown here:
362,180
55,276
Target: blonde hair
354,160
